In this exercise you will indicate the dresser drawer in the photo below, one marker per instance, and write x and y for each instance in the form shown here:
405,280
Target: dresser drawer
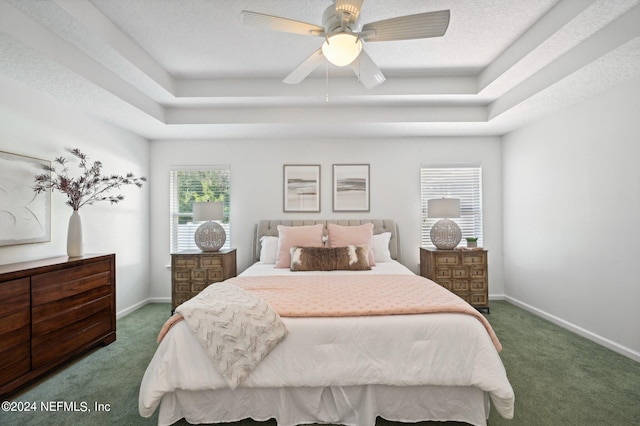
52,286
15,329
14,296
51,345
16,361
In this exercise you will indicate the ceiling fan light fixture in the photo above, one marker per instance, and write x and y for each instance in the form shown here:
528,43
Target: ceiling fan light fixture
341,49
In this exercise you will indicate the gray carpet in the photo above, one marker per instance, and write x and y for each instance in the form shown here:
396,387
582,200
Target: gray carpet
559,378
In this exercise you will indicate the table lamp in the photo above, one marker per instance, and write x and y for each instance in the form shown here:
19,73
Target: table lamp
209,236
445,234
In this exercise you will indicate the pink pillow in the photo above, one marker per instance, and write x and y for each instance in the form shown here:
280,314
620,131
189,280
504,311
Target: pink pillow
341,236
300,236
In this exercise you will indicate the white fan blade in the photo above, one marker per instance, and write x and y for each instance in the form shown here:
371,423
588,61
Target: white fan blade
278,23
351,6
305,68
367,71
422,25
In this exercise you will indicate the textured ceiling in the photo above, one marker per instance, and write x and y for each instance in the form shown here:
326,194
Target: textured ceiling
168,69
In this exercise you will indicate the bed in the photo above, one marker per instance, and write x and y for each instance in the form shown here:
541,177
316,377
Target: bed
351,369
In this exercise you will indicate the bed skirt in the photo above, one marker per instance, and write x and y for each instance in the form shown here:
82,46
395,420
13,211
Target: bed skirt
344,405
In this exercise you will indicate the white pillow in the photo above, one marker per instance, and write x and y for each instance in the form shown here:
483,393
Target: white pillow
380,247
268,249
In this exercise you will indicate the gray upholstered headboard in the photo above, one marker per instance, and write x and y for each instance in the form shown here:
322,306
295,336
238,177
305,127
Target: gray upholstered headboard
270,228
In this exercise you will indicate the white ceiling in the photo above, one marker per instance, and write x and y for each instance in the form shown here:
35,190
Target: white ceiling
181,69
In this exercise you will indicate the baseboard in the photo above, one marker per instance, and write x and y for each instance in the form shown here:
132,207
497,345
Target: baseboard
616,347
135,307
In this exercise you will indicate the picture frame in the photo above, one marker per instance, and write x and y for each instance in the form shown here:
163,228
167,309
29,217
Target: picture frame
351,188
25,217
301,190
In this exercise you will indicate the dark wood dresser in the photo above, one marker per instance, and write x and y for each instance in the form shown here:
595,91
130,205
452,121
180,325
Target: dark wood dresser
193,270
463,272
52,310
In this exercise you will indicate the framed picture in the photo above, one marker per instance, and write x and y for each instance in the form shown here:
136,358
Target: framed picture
301,188
25,217
351,188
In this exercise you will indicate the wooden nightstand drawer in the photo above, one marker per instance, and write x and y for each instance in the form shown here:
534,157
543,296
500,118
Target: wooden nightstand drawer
476,272
444,273
460,273
447,259
181,275
473,259
478,285
185,262
461,286
215,275
448,284
211,262
479,299
198,275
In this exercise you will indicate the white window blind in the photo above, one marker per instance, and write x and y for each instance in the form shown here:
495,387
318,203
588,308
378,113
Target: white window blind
460,182
187,185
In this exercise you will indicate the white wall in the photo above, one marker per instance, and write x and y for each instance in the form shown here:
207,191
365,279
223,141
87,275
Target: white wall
571,217
37,126
256,188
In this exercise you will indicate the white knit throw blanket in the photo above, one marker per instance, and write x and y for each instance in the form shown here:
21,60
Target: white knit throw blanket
235,327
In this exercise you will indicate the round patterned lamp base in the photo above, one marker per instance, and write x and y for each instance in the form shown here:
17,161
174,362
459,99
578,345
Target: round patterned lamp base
445,234
210,236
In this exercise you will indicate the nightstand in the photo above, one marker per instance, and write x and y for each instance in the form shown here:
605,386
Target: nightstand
193,270
463,272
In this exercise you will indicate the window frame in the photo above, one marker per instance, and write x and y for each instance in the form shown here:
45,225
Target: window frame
463,181
182,239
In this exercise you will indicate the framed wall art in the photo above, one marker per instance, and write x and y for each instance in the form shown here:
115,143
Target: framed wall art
351,191
301,188
25,217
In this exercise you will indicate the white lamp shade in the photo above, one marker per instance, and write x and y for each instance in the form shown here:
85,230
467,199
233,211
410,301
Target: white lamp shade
443,207
207,210
341,49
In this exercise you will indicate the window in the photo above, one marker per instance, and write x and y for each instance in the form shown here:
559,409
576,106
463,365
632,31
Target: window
463,182
187,185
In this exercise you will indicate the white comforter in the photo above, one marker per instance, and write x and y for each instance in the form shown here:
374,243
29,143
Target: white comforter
401,350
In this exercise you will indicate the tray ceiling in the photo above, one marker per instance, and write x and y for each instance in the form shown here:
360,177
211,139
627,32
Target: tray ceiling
183,69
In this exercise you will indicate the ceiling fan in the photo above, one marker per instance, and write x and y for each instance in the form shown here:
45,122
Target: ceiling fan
342,44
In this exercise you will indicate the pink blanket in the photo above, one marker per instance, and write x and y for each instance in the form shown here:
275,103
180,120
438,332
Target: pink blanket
357,295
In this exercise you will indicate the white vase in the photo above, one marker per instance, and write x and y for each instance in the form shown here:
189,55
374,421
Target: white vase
75,246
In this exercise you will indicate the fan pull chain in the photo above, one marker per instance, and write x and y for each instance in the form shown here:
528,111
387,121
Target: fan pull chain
327,79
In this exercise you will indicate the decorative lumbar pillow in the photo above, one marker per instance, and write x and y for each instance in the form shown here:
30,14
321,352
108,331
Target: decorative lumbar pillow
300,236
340,236
350,258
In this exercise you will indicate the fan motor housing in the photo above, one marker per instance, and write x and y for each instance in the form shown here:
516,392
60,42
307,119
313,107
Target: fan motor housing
331,20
